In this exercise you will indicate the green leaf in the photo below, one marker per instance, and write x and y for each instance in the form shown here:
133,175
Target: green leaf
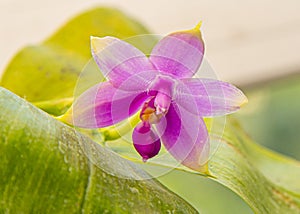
206,195
267,181
44,169
49,71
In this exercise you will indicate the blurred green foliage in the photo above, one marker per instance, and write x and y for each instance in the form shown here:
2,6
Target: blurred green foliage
272,116
60,59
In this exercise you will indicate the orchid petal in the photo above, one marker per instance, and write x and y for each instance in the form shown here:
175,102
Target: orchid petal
145,141
118,60
185,137
104,105
179,54
211,97
141,81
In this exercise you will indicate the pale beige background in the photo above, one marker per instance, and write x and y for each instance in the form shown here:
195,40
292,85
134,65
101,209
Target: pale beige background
246,41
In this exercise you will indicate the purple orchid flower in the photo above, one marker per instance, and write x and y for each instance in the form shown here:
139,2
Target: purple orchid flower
171,102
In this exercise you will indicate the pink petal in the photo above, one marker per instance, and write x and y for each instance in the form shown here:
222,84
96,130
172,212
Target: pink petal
209,97
119,60
145,141
185,137
141,81
104,105
179,54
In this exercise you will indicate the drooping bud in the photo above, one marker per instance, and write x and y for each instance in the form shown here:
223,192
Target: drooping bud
145,141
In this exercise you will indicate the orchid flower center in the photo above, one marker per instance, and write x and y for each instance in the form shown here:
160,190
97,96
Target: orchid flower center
145,139
157,106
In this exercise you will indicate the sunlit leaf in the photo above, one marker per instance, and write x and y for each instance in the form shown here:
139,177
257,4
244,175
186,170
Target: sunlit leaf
45,168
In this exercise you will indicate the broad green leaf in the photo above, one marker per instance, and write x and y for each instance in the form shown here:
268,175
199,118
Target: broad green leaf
49,71
206,195
56,106
44,169
267,181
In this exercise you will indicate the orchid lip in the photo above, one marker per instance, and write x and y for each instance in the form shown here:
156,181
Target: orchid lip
145,141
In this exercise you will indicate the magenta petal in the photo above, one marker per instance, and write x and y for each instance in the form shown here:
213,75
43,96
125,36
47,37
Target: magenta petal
185,137
118,60
179,54
104,105
211,97
145,141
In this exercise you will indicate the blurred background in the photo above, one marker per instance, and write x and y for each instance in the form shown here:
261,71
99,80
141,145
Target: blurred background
253,44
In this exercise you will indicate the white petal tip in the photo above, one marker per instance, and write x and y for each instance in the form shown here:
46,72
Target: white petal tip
243,101
99,43
94,39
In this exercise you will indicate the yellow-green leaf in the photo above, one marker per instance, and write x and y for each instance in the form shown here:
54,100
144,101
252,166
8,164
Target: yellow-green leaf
46,168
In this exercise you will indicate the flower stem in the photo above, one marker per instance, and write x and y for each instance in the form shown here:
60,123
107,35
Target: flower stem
120,129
